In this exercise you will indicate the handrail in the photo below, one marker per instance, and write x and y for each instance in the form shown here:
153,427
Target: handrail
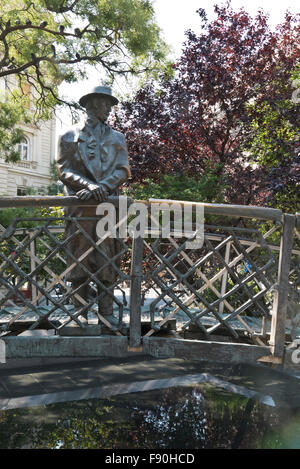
52,201
247,211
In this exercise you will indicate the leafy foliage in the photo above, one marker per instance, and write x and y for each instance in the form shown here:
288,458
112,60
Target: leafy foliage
231,92
275,132
45,42
274,145
11,134
179,187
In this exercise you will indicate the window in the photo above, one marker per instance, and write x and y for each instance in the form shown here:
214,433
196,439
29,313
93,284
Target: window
23,149
21,191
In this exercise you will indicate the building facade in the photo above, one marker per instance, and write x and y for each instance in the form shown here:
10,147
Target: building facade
37,153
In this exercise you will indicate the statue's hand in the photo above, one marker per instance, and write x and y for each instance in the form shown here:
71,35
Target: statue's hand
98,191
84,194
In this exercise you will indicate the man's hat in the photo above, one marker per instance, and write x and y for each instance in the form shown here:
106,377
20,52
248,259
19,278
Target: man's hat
98,91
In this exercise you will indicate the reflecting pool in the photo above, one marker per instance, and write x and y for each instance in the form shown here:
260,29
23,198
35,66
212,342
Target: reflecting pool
182,417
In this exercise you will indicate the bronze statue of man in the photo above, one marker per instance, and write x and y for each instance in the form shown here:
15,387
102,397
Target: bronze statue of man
93,163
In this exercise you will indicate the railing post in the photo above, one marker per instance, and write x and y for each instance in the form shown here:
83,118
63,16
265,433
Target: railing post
135,293
280,303
225,277
32,265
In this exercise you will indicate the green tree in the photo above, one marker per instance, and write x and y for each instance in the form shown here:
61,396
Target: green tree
231,85
179,187
274,143
11,115
46,42
273,134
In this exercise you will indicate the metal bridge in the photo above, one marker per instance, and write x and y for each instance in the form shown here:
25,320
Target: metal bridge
234,299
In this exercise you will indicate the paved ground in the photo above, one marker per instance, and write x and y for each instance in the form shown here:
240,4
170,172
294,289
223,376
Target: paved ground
41,381
123,295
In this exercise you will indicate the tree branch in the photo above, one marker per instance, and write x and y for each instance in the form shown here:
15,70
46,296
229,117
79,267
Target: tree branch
61,8
6,54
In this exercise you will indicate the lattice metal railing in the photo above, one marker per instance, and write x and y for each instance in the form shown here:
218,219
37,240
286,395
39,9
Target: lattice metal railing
228,284
228,280
236,284
36,263
293,309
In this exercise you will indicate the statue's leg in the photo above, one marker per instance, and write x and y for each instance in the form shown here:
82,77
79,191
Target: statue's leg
106,303
83,293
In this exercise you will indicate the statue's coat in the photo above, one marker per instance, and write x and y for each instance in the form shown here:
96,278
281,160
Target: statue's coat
93,154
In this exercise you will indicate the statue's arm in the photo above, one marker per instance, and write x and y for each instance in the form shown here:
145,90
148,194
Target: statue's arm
69,172
121,172
68,166
116,179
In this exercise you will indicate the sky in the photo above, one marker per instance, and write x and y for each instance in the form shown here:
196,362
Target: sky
174,17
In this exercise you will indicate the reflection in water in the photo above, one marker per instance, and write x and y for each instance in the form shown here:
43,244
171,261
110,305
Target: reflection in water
178,421
174,418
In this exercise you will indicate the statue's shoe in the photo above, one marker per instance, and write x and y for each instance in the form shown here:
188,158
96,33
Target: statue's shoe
111,319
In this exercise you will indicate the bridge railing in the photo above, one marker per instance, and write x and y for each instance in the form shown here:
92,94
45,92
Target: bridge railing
239,285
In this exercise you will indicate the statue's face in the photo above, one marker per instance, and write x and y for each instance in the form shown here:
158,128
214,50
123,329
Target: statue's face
101,107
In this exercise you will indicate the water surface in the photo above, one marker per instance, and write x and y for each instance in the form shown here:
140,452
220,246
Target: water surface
182,417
